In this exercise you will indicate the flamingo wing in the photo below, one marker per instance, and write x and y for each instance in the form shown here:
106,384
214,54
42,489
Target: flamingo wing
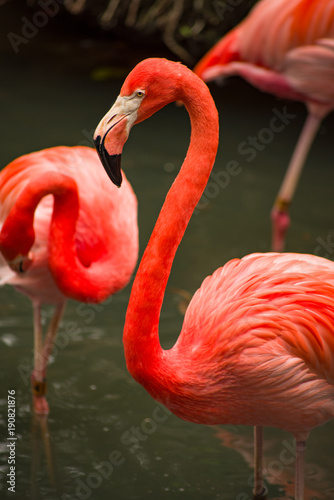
270,302
310,70
258,334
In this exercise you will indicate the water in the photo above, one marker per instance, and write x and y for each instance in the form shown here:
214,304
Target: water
105,437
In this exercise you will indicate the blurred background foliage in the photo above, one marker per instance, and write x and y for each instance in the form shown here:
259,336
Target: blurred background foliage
181,29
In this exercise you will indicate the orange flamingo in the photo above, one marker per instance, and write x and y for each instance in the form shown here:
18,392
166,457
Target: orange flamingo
285,47
257,344
80,243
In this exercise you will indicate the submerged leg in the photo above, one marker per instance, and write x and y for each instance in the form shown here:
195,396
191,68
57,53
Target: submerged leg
280,212
259,491
42,354
299,476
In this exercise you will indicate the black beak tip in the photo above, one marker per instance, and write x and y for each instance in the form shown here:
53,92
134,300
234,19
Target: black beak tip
97,142
111,163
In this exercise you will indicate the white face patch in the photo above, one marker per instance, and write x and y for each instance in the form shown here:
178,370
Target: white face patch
124,105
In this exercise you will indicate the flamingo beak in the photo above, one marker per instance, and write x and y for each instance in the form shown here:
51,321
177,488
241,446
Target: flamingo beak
110,162
111,134
109,138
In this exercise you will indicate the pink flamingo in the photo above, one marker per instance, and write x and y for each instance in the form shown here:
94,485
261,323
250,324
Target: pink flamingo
257,344
80,243
285,47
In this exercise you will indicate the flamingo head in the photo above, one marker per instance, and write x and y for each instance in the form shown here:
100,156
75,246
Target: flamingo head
21,263
152,84
14,250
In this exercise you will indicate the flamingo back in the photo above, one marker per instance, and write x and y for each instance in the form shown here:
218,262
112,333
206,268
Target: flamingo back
276,27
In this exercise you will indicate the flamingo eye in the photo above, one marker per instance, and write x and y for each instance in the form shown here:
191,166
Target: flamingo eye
140,93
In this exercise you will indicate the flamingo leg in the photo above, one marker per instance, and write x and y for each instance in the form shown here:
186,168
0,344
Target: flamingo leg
42,353
260,491
280,212
37,375
51,334
299,473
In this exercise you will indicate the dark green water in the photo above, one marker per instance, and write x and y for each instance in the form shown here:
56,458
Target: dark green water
105,438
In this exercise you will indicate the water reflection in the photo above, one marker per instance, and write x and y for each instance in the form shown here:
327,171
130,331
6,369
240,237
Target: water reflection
279,464
43,456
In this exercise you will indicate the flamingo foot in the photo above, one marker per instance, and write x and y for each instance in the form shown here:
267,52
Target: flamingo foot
280,223
40,403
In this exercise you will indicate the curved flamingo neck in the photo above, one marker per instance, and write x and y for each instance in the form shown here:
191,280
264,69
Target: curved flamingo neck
143,352
87,284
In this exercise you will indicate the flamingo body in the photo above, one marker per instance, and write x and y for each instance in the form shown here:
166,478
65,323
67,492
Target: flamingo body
63,236
257,342
284,47
259,329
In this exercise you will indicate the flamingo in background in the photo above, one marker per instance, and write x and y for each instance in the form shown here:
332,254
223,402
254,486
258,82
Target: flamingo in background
80,243
285,47
257,342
